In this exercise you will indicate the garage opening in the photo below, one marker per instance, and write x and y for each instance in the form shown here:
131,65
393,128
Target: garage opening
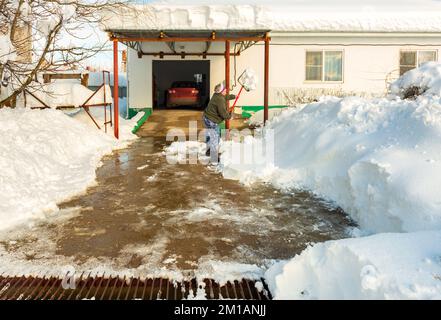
181,84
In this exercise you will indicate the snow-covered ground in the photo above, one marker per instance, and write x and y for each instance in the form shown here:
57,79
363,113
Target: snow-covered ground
46,157
380,161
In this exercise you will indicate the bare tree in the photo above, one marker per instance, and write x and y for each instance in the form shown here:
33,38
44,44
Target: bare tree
45,37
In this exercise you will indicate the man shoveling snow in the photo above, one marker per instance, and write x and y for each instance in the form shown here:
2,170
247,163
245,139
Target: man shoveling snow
215,113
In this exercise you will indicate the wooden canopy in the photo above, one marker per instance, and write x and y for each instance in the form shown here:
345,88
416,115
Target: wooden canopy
134,38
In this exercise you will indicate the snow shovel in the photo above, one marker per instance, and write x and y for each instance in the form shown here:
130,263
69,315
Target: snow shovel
242,86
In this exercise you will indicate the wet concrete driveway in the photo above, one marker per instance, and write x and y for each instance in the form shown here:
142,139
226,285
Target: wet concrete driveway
145,213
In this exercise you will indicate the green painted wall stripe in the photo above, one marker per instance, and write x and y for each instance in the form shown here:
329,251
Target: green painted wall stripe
258,108
147,114
246,115
133,112
247,111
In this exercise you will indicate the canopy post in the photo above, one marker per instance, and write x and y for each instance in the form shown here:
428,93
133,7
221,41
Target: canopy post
266,81
115,89
227,78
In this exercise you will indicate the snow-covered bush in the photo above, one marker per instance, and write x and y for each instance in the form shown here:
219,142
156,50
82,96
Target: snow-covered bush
423,80
296,96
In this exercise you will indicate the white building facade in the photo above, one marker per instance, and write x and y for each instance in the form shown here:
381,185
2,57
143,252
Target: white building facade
310,56
302,66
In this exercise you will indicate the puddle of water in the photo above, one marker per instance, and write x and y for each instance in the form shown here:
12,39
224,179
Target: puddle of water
146,213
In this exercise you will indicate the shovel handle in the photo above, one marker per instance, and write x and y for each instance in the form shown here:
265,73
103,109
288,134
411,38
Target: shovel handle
237,97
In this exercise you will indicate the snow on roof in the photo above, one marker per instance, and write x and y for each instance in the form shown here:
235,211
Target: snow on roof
282,18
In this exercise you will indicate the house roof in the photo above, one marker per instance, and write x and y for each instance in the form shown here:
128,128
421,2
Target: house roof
277,18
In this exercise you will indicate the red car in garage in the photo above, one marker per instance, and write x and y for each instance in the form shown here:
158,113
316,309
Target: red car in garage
183,93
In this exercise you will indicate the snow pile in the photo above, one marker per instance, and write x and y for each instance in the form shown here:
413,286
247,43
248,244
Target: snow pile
47,157
125,126
67,93
426,79
274,17
383,266
256,118
222,272
380,161
182,151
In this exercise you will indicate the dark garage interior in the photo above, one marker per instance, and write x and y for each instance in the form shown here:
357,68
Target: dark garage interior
167,72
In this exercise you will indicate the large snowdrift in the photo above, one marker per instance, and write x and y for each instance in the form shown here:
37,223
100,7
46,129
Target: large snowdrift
380,161
47,157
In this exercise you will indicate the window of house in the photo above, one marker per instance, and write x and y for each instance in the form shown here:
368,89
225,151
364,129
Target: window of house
411,59
324,66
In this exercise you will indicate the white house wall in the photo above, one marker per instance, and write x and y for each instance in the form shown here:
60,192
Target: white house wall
139,81
368,62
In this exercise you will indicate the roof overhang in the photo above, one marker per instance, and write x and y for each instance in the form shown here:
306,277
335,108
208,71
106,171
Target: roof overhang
125,35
